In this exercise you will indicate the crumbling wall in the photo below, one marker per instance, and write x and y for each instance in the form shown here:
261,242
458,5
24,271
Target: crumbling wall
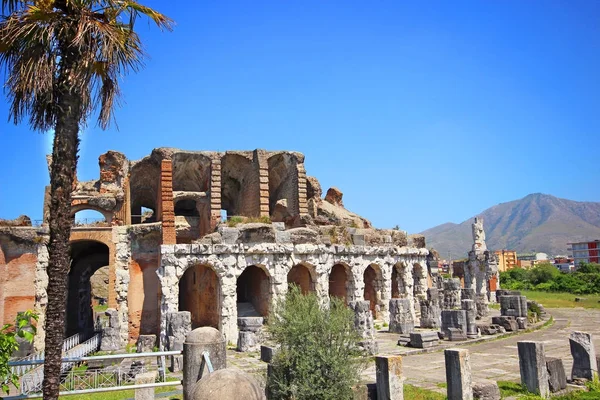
283,181
143,295
18,258
240,185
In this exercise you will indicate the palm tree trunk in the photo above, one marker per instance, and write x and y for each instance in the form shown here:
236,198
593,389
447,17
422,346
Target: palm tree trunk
62,175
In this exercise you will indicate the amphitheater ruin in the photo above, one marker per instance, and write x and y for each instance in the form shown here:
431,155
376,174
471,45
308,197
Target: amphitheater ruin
219,235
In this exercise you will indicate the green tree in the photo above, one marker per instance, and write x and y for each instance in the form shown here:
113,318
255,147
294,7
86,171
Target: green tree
24,329
63,59
319,355
543,273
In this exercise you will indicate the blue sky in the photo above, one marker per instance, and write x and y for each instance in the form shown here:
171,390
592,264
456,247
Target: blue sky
420,112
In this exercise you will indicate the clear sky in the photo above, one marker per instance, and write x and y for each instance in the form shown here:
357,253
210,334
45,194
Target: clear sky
420,112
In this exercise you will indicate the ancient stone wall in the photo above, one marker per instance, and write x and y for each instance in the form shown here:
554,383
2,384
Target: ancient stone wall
17,276
228,261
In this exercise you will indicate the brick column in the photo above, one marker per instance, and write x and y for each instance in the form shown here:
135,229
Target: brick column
263,176
165,205
215,192
302,203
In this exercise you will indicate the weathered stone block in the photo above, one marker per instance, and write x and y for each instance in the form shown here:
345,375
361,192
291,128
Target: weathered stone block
267,353
508,323
423,340
454,319
584,356
471,312
390,383
401,317
404,339
456,335
250,324
458,374
363,323
145,393
557,378
247,341
521,322
532,364
486,391
146,343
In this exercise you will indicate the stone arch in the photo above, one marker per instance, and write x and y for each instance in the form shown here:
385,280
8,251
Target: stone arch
240,186
87,257
341,282
200,294
143,188
373,281
253,292
86,207
283,182
303,275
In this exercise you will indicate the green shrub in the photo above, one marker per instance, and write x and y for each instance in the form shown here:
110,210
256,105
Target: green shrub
319,356
25,329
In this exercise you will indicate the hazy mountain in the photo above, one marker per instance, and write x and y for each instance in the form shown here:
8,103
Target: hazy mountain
537,222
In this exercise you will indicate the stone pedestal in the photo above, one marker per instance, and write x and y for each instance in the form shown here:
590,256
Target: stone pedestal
390,383
146,343
401,316
194,368
145,393
456,319
111,334
458,374
179,325
363,323
431,315
532,364
584,356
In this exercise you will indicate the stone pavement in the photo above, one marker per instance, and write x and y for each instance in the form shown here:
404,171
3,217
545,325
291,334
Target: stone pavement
494,359
498,359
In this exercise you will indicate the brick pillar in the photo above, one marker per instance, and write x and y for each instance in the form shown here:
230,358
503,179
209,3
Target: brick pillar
166,207
302,203
263,176
215,192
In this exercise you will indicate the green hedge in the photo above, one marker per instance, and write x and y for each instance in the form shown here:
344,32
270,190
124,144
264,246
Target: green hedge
547,278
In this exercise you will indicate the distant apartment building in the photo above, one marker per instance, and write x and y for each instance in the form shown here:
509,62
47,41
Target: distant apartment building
564,264
532,259
507,259
587,252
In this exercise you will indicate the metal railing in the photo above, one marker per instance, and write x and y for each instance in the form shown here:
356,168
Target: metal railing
90,222
111,378
31,379
68,344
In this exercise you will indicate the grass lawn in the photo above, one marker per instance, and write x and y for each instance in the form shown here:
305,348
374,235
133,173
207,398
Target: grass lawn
416,393
119,395
563,300
512,389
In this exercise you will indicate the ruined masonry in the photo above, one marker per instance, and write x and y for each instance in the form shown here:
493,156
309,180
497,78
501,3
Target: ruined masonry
191,239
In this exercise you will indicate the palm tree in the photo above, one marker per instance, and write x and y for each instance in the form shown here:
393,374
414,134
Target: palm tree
63,60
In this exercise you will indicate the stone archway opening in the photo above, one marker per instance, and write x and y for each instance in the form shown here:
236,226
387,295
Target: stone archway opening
339,282
253,293
87,257
301,276
373,279
200,294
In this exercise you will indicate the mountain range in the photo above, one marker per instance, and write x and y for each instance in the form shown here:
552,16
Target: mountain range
536,223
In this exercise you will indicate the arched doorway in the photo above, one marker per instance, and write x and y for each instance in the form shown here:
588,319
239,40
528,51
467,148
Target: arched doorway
200,294
87,257
252,289
372,294
300,275
338,282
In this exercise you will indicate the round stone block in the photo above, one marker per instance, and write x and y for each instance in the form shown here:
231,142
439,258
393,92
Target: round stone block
228,384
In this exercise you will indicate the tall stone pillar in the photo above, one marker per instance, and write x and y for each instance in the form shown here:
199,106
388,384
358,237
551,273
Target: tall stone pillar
532,363
458,374
390,383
